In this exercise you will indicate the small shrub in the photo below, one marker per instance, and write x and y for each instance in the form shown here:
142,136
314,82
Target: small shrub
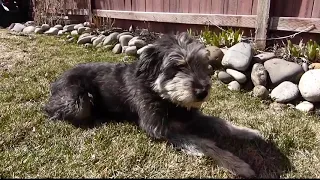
309,50
226,38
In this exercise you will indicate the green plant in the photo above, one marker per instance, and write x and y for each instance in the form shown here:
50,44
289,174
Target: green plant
226,38
309,50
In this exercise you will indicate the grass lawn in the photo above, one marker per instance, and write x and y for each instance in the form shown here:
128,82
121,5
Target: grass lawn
32,146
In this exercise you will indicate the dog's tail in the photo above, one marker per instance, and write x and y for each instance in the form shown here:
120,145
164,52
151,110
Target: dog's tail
197,146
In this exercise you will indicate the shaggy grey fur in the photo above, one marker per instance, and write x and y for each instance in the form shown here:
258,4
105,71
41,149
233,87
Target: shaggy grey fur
161,92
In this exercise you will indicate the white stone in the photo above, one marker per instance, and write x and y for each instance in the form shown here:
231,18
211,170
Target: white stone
309,85
285,92
234,86
305,106
238,76
238,56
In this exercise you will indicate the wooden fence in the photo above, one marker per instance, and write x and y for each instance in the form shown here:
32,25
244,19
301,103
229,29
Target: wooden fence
261,15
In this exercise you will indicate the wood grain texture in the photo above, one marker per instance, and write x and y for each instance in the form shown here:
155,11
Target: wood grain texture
184,6
174,6
194,6
166,5
230,6
205,6
185,18
244,7
254,7
141,5
294,24
217,6
157,6
262,23
127,5
316,9
149,5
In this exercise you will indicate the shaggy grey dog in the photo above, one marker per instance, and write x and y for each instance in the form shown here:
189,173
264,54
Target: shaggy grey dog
162,92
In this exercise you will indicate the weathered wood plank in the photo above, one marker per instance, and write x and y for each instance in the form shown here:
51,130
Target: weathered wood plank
186,18
184,6
244,7
230,7
141,5
89,10
217,6
205,6
194,6
305,9
262,23
157,6
174,6
254,7
166,5
149,5
127,5
316,9
294,24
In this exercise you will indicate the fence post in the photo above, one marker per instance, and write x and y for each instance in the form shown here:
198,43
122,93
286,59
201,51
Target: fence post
262,23
89,10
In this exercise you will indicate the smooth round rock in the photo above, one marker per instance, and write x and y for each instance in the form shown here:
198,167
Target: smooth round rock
84,40
117,49
111,39
98,40
234,86
143,48
305,67
76,27
259,75
45,27
84,35
18,27
81,30
305,106
69,27
215,56
238,56
74,32
29,29
260,92
58,26
52,31
124,40
262,57
309,85
238,76
124,33
131,51
225,77
280,70
285,92
137,42
38,30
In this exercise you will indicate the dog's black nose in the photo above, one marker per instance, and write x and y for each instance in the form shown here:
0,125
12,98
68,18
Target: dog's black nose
201,93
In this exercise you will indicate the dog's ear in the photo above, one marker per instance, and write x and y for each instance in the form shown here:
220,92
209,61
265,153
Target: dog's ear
149,63
184,39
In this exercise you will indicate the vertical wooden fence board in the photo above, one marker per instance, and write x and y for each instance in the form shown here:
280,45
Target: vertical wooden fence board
141,5
149,4
127,5
205,6
174,6
194,6
166,5
157,5
316,9
230,7
217,6
254,7
262,23
184,6
244,7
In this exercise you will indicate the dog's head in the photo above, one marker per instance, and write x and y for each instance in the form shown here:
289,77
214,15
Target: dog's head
176,67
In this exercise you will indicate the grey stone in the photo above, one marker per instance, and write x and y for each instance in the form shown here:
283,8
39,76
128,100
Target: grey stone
61,32
84,40
76,27
225,77
84,35
45,27
261,58
69,27
74,32
309,85
124,33
111,39
259,75
285,92
238,56
215,56
29,29
87,24
124,48
58,26
93,38
38,30
98,40
81,30
52,31
108,47
143,48
280,70
131,51
305,106
234,86
124,40
117,49
87,30
238,76
305,67
260,92
137,42
30,23
18,27
87,45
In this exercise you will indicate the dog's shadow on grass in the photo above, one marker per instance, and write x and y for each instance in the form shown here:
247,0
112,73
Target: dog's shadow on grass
264,157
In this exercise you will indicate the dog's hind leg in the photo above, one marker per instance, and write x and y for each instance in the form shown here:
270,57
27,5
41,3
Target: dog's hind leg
199,146
69,104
